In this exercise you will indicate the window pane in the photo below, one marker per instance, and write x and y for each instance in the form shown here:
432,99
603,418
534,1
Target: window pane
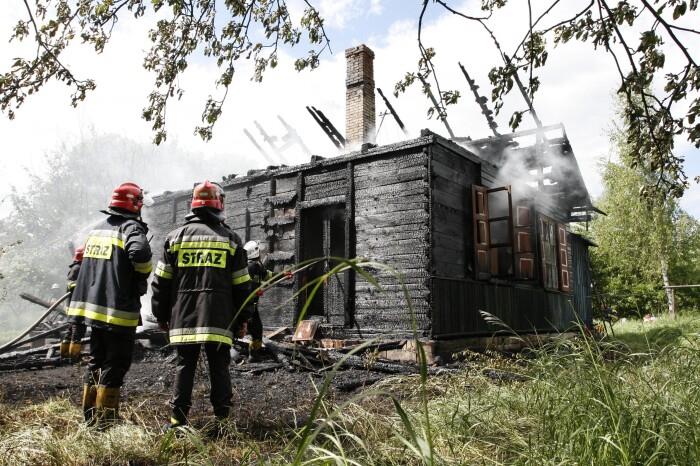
498,204
500,234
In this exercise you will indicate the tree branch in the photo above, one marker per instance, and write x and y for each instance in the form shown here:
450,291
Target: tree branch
663,22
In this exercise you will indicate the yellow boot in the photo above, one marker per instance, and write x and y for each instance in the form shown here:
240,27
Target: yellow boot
74,350
107,405
64,349
88,403
254,348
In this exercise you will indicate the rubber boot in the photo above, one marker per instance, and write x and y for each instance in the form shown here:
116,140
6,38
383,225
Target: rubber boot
74,350
107,406
177,419
88,403
64,349
254,351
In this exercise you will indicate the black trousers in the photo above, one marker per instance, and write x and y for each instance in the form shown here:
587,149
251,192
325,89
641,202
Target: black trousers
219,359
110,357
255,326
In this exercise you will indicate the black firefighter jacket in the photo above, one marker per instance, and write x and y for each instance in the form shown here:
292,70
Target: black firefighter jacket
114,274
202,282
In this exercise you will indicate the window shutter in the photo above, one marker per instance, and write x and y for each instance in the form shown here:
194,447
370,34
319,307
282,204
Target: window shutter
563,260
523,232
549,253
480,215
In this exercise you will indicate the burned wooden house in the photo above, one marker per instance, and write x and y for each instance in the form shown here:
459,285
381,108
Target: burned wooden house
444,213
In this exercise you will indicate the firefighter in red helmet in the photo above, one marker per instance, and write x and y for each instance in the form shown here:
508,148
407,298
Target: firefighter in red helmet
199,291
107,294
71,344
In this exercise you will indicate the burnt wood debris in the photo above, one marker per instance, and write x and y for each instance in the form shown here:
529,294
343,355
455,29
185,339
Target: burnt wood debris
471,225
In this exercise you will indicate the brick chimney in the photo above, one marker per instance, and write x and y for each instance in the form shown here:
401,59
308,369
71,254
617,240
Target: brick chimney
359,96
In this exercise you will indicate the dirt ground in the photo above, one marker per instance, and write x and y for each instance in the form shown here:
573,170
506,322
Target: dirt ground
261,401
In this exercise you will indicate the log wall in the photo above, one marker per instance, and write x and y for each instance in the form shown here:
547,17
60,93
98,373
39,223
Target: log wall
392,227
456,296
407,206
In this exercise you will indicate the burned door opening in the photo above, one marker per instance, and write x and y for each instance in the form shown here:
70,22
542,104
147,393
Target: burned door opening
323,236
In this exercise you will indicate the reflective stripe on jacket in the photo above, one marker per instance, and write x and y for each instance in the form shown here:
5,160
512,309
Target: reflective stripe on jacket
201,282
113,274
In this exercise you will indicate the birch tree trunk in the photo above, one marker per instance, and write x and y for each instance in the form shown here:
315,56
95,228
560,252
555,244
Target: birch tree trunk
669,291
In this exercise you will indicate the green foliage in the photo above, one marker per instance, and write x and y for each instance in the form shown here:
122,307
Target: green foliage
223,32
637,37
638,241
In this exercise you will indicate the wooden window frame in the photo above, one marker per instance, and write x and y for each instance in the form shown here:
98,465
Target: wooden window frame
485,251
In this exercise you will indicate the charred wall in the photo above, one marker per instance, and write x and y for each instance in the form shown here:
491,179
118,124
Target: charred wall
457,297
392,227
380,202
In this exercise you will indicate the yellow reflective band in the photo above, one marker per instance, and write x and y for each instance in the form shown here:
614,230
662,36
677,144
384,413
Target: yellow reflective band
71,285
73,311
202,258
240,273
100,247
163,270
203,245
200,338
162,273
242,279
143,267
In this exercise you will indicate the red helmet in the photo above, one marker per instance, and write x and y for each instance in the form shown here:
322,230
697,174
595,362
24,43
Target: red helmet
78,256
128,196
208,194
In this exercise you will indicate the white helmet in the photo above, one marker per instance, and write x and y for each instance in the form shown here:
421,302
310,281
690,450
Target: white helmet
253,249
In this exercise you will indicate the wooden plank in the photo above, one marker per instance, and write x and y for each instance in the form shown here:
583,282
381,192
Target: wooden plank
286,184
391,164
392,229
406,188
400,176
337,188
449,270
380,208
392,200
325,201
392,219
325,177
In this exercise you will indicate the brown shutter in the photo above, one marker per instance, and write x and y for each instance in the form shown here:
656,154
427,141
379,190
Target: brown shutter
480,214
524,250
563,259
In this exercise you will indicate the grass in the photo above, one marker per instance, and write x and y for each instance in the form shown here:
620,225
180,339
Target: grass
585,402
626,400
644,336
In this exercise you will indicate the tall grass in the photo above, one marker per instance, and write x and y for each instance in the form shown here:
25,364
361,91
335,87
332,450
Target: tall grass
631,400
586,403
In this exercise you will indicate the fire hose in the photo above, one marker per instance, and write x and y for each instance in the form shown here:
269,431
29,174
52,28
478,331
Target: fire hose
12,343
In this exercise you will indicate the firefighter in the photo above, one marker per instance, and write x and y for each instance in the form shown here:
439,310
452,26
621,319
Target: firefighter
71,344
258,274
113,277
199,290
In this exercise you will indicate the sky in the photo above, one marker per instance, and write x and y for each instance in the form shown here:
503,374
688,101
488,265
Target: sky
577,90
